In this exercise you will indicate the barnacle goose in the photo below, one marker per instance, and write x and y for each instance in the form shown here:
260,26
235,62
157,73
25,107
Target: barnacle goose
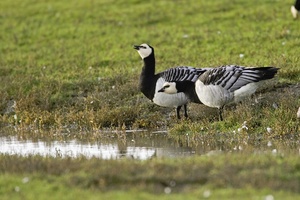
220,86
150,82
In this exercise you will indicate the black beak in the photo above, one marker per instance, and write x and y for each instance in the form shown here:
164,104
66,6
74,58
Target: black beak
161,90
136,47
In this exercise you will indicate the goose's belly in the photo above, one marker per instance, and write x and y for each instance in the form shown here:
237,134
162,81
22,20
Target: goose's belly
168,100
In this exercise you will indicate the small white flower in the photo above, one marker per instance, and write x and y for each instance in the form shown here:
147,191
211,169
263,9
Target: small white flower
25,180
242,55
269,144
206,193
269,197
275,105
298,113
17,189
269,129
168,190
274,151
185,36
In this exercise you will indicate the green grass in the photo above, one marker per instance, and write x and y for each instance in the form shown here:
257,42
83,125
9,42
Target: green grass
254,177
72,71
52,188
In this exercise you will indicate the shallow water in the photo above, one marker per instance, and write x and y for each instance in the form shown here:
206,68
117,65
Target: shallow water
109,148
141,147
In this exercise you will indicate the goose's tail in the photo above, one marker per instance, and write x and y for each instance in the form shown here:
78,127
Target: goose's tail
266,72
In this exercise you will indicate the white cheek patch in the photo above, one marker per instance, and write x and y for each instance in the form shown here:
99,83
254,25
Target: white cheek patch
144,53
172,88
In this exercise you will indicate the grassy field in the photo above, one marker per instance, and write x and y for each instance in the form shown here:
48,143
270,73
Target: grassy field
74,63
71,66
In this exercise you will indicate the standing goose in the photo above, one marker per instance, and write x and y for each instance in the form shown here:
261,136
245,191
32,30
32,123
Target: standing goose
150,82
220,86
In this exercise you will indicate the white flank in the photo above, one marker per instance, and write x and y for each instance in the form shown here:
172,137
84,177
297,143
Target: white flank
213,95
168,100
216,96
245,91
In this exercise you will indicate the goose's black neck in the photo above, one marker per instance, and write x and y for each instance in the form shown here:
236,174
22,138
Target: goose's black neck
147,78
183,86
149,65
188,88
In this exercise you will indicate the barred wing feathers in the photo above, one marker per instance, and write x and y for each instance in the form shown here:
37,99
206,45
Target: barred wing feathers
234,77
183,73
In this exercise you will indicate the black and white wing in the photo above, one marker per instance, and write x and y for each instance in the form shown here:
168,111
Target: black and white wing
183,73
232,77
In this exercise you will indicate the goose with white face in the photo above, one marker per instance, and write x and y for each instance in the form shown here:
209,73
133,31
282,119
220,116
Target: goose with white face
169,88
144,50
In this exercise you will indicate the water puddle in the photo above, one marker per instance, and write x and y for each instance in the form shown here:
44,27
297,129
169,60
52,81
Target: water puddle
136,147
110,148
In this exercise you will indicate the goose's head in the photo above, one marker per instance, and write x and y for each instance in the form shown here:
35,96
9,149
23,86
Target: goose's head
169,88
144,50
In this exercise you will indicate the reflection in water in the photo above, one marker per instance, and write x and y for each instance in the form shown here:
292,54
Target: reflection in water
135,148
142,147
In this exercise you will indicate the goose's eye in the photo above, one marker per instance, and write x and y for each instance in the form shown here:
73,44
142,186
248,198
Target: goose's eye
167,86
143,47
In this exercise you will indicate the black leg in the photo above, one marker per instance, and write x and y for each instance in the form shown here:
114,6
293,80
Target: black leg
185,110
297,5
220,114
178,112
